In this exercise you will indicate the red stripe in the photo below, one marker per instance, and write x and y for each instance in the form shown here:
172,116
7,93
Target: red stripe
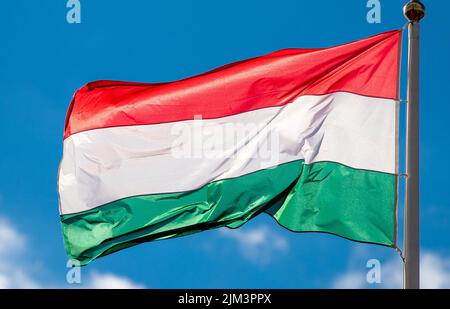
367,67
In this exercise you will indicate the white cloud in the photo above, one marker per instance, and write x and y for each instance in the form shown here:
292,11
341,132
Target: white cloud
11,278
15,272
111,281
434,268
435,271
257,244
11,241
350,280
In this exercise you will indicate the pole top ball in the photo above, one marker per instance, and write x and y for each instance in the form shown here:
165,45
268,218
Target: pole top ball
414,11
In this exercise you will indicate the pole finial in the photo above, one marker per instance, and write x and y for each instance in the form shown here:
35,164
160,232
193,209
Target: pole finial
414,11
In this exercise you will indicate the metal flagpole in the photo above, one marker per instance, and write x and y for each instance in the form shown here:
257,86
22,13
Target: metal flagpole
414,11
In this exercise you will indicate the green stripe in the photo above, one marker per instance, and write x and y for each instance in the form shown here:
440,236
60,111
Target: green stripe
321,197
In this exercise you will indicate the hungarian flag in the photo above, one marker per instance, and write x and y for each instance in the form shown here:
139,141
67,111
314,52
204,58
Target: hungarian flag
308,136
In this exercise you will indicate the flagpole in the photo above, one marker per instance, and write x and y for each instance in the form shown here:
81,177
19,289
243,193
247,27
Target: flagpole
414,11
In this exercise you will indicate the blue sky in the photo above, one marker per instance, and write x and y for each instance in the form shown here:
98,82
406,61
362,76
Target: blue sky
43,60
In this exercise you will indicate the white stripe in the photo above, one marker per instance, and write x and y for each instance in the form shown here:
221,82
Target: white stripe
104,165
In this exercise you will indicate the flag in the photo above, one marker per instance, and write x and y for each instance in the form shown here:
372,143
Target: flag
308,136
